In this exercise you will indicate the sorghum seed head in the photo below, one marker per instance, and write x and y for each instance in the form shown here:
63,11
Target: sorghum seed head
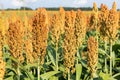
80,27
92,55
40,34
15,38
114,6
69,40
103,17
112,24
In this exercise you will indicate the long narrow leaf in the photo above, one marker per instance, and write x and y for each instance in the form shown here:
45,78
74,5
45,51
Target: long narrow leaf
49,74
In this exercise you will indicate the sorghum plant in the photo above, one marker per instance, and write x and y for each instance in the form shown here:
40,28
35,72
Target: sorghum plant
15,40
103,17
39,36
69,42
55,31
80,28
112,30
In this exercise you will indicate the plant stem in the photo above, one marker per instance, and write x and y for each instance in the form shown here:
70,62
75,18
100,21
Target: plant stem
68,74
105,46
18,70
77,55
56,57
38,68
110,57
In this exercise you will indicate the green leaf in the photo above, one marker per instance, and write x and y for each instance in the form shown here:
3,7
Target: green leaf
30,65
26,79
106,76
49,74
118,74
62,68
78,71
51,58
53,78
29,75
11,69
101,51
117,59
14,59
84,63
9,78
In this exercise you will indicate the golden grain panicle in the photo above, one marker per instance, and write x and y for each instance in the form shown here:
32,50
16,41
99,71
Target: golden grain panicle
93,22
103,17
80,27
69,41
95,13
112,24
28,48
40,34
114,6
92,55
62,19
55,28
15,42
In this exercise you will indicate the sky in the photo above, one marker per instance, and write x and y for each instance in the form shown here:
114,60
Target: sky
54,3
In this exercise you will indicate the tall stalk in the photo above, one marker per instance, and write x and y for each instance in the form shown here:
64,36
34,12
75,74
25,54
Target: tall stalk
56,57
68,74
79,31
18,71
110,57
77,55
105,48
38,68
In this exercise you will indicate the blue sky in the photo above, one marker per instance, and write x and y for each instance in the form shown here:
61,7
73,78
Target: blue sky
54,3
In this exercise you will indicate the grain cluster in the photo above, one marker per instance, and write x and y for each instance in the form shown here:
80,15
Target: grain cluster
40,34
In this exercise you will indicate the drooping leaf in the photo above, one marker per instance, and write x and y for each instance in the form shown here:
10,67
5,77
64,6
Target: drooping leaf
49,74
106,76
51,56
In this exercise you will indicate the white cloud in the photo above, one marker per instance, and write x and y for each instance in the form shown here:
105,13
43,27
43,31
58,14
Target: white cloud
21,2
80,2
17,3
33,0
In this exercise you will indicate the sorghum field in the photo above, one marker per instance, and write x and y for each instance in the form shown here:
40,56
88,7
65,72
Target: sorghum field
60,45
